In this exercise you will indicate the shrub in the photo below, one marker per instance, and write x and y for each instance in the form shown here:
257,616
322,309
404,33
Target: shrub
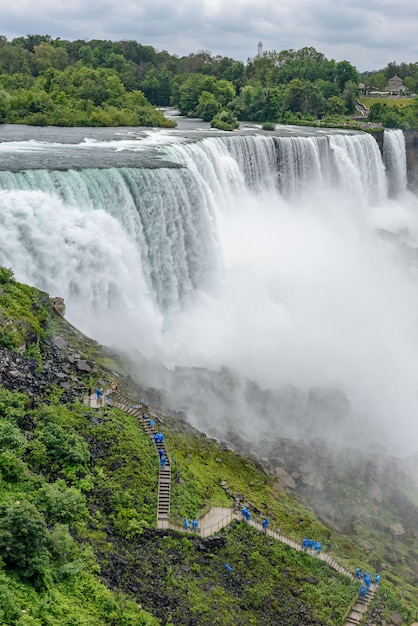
24,539
12,467
66,447
6,275
60,503
11,437
225,120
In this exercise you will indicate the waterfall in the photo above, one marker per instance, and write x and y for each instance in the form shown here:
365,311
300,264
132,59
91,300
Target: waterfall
171,216
394,157
291,259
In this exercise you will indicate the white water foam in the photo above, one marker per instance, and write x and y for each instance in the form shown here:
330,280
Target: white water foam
306,276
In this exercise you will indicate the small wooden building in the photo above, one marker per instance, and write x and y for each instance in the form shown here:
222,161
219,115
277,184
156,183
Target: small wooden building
396,85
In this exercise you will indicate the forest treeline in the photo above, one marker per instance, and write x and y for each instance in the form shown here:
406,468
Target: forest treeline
46,81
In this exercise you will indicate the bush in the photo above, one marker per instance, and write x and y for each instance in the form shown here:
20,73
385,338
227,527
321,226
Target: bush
8,340
11,438
12,467
60,503
66,447
225,120
6,275
24,539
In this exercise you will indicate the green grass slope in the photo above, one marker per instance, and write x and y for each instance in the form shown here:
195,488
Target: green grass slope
78,496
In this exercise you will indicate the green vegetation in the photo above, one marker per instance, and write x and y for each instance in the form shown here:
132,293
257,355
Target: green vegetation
102,83
399,115
46,81
78,498
393,102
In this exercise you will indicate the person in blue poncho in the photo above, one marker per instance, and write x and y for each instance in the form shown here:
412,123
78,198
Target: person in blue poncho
358,573
186,524
195,525
377,580
99,396
363,591
264,524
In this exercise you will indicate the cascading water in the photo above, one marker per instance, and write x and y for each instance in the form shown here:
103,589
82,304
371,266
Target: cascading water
394,157
281,257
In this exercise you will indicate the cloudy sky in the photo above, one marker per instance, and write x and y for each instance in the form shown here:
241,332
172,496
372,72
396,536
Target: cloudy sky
368,33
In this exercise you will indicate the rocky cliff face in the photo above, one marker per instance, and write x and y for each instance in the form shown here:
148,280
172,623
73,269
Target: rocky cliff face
411,139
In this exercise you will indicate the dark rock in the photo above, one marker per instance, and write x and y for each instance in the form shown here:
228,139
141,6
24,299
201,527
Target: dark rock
83,366
60,342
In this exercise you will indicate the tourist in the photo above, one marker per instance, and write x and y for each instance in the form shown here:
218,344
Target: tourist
99,396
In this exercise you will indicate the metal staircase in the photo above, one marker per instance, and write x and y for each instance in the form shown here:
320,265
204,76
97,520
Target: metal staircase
115,398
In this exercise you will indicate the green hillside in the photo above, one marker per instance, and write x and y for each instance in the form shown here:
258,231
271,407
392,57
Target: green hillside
78,499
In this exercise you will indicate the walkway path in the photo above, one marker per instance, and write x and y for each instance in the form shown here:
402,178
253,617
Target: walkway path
217,517
114,398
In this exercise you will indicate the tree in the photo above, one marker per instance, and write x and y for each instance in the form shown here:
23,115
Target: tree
208,106
190,90
350,94
126,70
378,81
156,86
14,59
411,83
344,73
335,106
224,91
45,56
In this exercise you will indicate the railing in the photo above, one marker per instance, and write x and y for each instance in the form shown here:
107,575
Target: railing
123,403
214,528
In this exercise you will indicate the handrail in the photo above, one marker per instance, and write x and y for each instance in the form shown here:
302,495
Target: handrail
213,528
233,514
115,398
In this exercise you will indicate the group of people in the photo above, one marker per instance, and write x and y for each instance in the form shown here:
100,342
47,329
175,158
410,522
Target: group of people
246,515
159,438
194,525
367,581
311,544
